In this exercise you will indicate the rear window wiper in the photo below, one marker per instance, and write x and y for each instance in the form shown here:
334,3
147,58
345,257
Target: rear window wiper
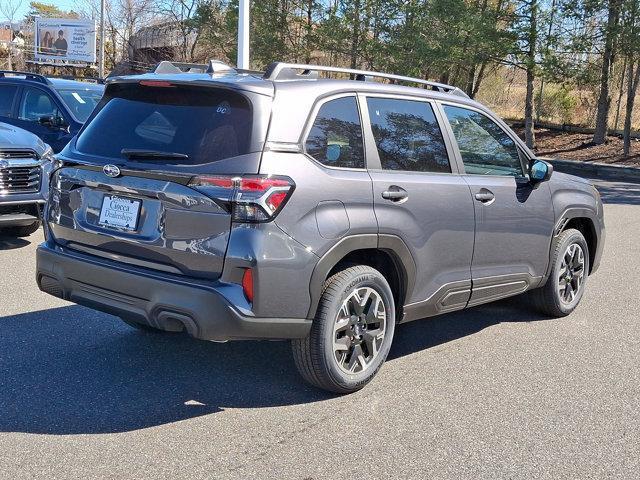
137,153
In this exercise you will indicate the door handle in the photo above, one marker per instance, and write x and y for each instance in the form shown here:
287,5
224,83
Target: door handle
395,194
485,196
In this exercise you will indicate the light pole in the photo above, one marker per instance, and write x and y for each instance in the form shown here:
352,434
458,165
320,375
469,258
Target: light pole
101,64
243,34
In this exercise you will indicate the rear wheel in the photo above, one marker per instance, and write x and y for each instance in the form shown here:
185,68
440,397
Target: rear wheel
24,231
351,334
565,286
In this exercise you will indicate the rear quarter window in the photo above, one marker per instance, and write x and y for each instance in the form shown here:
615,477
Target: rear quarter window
206,124
335,139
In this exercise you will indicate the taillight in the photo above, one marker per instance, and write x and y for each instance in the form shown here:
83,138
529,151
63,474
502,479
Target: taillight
251,198
247,284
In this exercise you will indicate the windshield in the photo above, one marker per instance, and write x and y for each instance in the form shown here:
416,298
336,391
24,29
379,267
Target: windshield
192,125
81,101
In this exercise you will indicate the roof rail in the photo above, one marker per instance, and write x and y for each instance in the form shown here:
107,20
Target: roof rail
214,66
36,77
288,71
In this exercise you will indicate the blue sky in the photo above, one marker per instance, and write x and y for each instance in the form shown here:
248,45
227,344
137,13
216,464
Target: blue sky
61,4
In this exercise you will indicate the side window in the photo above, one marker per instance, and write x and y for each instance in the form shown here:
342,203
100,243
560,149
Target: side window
407,136
485,147
7,93
35,104
335,138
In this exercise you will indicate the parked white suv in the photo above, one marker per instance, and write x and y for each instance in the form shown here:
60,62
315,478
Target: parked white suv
25,163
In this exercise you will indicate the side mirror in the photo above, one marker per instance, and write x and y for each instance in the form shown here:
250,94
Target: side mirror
47,120
540,171
53,122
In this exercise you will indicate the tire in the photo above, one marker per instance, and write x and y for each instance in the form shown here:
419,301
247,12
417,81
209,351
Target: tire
23,231
570,258
143,327
343,356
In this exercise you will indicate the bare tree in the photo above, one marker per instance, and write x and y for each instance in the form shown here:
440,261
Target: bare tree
9,10
123,19
180,14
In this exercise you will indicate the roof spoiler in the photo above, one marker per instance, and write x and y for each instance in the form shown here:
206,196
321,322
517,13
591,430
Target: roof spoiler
213,67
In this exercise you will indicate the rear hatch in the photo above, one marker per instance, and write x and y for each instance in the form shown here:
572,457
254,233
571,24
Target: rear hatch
126,189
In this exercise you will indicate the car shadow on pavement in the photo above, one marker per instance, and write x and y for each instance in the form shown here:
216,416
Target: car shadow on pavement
71,370
618,192
12,243
431,332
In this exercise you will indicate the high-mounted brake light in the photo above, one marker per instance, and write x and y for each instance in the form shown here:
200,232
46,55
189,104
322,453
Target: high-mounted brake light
155,83
252,198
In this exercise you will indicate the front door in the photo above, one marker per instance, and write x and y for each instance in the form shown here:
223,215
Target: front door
421,198
514,219
36,104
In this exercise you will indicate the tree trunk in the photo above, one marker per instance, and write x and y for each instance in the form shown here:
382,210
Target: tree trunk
632,87
471,76
478,80
604,99
529,133
620,93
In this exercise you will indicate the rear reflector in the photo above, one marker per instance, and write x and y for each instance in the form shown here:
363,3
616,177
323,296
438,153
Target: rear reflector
247,284
254,198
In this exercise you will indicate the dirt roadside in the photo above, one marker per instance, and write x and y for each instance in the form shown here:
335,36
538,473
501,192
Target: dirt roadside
577,146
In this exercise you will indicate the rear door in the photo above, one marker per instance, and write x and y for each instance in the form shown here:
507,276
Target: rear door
125,192
514,219
420,197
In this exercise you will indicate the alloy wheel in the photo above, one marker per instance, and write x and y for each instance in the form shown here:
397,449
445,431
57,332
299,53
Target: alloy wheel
359,330
571,275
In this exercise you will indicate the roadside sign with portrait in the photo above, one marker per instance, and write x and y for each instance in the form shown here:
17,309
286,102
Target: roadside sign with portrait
65,39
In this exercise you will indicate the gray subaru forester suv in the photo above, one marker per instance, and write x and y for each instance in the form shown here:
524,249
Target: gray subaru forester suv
235,205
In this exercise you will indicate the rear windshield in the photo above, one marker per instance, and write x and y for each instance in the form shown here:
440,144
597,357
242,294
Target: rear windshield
203,123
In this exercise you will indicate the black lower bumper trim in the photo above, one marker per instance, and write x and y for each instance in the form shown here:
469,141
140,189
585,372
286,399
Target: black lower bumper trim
17,220
173,306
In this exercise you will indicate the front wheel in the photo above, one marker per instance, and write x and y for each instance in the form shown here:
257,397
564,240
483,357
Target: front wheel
351,334
565,286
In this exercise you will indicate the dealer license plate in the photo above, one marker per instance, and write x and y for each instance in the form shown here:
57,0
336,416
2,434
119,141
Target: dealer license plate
118,212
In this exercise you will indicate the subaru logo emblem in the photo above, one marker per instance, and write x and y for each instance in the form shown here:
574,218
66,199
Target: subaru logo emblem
111,171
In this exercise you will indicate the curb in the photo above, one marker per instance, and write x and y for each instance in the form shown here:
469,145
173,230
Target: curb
601,170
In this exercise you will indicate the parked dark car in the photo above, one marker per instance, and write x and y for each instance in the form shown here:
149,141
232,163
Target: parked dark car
25,165
234,205
52,108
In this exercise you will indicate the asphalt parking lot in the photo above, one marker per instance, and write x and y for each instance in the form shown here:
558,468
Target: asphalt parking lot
494,392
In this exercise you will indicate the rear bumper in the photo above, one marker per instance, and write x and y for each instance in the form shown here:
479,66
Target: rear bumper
153,299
